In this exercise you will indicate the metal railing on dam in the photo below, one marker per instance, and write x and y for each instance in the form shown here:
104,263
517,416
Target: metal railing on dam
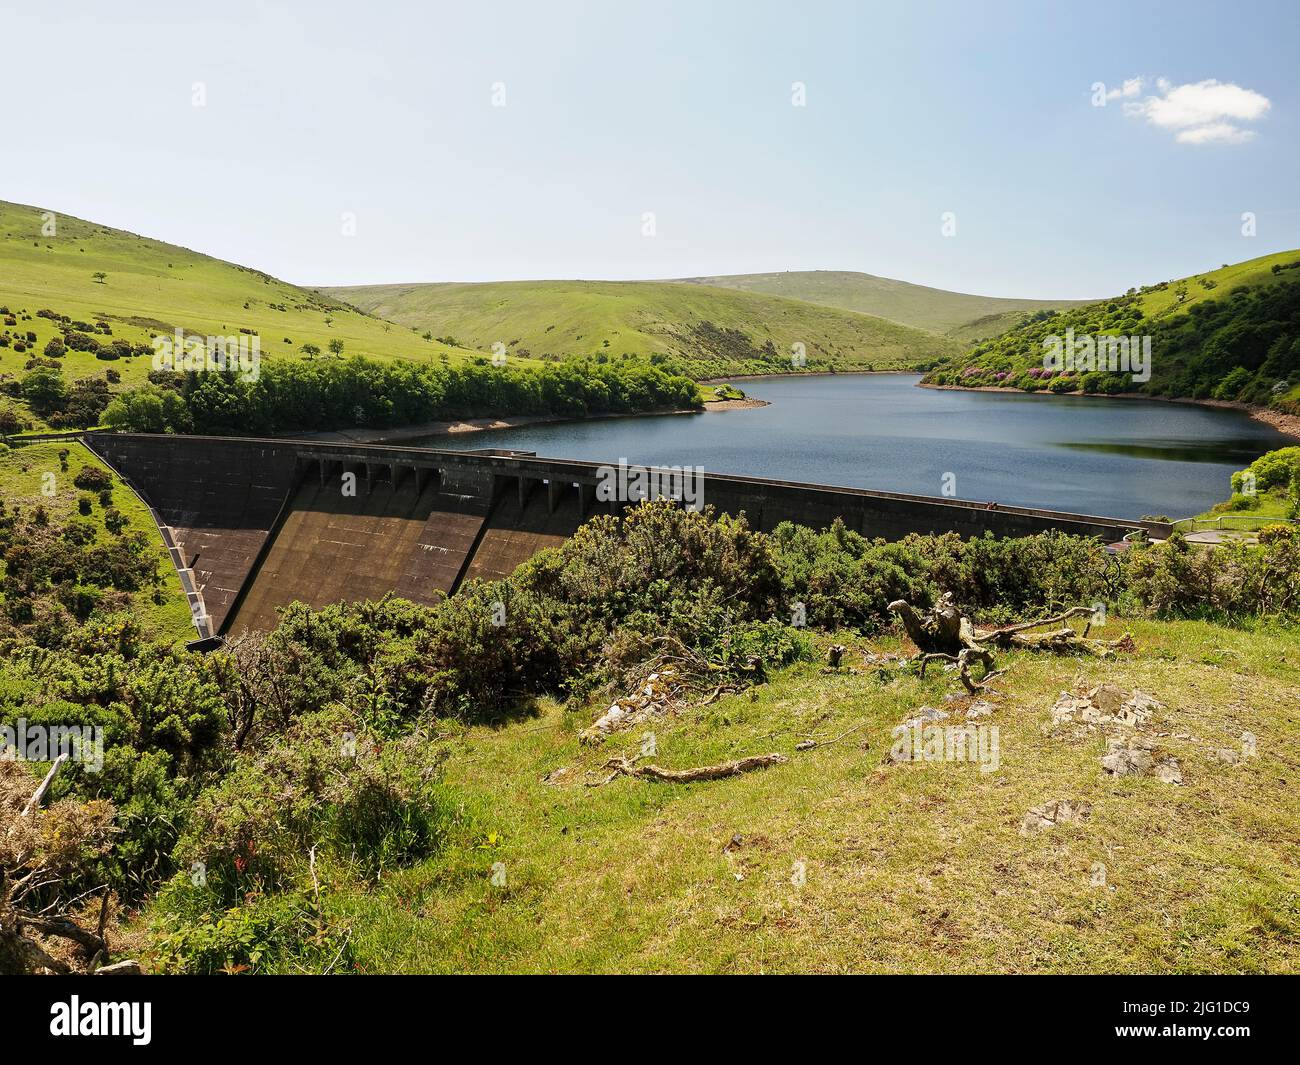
261,523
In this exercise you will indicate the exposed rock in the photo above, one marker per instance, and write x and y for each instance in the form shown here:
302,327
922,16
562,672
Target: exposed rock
1107,698
1122,761
1105,705
563,775
979,708
1069,708
1132,757
1053,813
924,716
1138,709
1142,701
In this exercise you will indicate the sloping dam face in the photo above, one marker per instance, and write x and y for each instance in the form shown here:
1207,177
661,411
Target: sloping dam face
333,547
259,524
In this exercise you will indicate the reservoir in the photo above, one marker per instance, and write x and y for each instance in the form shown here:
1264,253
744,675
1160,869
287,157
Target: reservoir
1116,457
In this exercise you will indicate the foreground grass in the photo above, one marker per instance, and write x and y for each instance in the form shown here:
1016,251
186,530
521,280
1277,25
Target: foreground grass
24,481
914,868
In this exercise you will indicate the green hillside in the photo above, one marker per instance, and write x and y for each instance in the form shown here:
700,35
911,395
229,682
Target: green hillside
1175,297
1229,334
706,331
152,288
957,314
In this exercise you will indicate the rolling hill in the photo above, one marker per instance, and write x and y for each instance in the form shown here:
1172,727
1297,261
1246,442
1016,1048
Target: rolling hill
955,314
150,288
1231,334
702,330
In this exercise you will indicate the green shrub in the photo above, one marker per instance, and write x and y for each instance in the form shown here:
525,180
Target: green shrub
1273,470
93,478
272,933
1235,580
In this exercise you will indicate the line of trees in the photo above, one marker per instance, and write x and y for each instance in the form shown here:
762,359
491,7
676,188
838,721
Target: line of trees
359,392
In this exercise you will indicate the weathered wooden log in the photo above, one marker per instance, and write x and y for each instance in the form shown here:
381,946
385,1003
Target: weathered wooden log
938,630
625,767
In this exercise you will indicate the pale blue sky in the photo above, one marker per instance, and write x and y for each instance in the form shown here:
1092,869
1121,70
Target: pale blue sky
682,109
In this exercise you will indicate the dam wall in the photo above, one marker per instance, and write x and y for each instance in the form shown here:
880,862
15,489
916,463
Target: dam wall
216,506
260,523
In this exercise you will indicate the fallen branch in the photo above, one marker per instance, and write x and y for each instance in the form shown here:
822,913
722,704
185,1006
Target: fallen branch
39,794
625,767
998,635
808,745
64,929
963,660
943,633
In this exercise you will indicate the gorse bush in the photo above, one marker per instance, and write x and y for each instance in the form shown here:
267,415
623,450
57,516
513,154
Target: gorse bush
1234,580
54,574
328,785
263,934
326,802
163,719
846,580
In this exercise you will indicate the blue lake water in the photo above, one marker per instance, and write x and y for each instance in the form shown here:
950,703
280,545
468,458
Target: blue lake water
1116,457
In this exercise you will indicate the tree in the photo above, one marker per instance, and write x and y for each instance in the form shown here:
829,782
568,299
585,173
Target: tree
336,347
44,390
100,276
310,350
148,409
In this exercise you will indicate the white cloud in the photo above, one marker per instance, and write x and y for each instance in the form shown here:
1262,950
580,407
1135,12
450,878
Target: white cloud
1131,87
1203,112
1215,133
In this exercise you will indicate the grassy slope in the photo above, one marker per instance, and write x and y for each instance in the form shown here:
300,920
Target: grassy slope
154,287
22,472
909,867
958,314
1175,297
562,318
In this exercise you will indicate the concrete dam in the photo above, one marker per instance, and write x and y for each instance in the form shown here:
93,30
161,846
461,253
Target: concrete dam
256,524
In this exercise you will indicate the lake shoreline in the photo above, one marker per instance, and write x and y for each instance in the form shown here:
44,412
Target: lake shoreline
783,376
510,421
1287,424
